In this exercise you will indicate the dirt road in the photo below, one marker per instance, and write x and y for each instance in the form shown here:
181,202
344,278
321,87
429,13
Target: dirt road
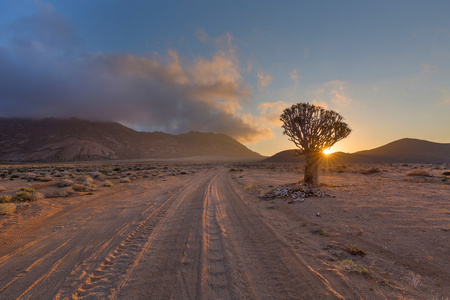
192,238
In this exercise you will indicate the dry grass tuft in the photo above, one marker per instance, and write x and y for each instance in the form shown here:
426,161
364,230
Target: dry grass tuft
419,172
7,208
108,184
373,170
125,180
65,183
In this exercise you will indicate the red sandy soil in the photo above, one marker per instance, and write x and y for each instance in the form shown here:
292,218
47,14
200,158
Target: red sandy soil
203,232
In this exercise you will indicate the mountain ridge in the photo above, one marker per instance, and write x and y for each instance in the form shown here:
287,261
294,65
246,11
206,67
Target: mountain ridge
64,140
405,150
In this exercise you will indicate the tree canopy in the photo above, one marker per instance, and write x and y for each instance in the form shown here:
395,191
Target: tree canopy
313,128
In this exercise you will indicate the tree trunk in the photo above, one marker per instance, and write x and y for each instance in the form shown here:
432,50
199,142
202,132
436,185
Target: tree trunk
312,168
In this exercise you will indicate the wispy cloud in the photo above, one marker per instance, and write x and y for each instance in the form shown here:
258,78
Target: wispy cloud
335,92
271,112
426,68
202,35
264,79
296,75
45,73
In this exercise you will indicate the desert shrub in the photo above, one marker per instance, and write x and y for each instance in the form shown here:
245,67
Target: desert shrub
7,208
5,199
125,180
98,176
65,183
105,171
353,250
85,179
349,266
83,188
26,194
419,172
251,187
108,183
372,170
415,279
30,176
45,178
66,192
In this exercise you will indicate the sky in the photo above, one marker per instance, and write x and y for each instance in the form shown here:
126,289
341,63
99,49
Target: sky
231,66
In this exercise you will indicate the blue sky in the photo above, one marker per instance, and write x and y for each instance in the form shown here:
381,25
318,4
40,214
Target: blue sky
231,66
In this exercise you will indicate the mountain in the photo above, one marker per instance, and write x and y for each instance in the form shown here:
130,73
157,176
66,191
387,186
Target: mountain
63,140
401,151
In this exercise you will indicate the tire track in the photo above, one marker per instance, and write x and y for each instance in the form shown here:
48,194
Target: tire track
216,280
113,274
35,227
268,266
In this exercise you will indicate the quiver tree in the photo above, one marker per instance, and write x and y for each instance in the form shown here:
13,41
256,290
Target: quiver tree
313,129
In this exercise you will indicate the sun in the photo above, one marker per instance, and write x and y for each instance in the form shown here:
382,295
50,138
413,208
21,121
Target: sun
327,151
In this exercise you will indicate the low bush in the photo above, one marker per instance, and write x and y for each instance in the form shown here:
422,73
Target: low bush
125,180
85,179
7,208
66,192
419,172
108,184
26,194
373,170
83,188
65,183
353,250
45,178
349,266
5,199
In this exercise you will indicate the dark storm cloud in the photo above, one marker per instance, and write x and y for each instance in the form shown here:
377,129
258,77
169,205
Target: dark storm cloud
45,73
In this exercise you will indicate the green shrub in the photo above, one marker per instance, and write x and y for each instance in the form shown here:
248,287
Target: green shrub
26,194
7,208
349,266
5,199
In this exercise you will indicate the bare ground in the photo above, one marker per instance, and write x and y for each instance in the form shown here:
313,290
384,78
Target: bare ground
204,233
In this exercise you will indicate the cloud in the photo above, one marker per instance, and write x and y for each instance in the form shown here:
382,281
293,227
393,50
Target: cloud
45,73
444,102
334,91
202,35
264,79
271,112
426,68
296,75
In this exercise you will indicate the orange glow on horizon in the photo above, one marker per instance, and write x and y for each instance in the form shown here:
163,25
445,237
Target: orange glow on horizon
327,151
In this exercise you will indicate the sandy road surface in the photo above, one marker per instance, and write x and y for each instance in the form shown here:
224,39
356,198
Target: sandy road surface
195,238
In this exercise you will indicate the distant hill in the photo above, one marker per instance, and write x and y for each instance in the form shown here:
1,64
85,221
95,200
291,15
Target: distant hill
64,140
401,151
